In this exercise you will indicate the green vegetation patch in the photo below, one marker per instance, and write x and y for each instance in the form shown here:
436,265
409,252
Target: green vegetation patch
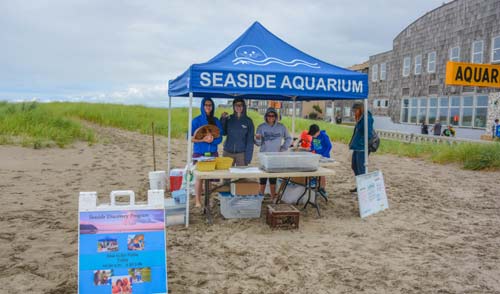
41,125
37,125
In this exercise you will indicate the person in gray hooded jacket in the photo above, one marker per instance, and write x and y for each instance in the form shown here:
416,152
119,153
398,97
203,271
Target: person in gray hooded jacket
239,129
271,136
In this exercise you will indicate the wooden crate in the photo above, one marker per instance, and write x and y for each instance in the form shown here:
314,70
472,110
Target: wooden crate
282,216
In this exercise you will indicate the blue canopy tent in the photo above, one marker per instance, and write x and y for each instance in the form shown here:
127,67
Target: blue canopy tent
259,65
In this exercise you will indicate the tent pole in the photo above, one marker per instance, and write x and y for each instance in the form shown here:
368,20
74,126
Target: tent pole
188,172
332,119
293,117
169,134
366,135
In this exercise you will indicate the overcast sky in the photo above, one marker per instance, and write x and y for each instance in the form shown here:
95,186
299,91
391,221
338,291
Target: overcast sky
126,51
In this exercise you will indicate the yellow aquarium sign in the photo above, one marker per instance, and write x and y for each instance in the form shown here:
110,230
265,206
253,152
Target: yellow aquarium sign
472,74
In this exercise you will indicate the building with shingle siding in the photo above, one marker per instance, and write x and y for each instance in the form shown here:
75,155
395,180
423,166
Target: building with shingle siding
408,82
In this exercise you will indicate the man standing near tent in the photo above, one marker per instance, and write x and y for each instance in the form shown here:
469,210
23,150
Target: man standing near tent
207,146
357,143
271,136
239,130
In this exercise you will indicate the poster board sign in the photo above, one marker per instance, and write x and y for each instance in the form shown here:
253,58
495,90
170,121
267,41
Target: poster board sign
472,74
121,248
371,193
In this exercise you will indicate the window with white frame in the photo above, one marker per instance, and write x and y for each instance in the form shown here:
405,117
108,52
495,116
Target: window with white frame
413,110
477,52
431,62
481,111
455,54
405,111
375,73
495,49
418,64
383,71
406,66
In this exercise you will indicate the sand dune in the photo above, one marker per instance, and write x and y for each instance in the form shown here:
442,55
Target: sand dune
441,233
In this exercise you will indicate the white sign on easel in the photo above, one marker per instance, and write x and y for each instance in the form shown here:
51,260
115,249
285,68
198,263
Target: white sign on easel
371,193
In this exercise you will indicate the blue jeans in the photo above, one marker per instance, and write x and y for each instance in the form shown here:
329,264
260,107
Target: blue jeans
358,162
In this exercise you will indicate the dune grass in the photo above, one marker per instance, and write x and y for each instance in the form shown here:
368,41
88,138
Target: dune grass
36,125
41,125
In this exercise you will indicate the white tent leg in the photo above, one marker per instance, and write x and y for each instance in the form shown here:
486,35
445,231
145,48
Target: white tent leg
332,119
366,135
189,151
169,134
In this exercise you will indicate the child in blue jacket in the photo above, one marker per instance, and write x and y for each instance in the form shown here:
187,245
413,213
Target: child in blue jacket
321,145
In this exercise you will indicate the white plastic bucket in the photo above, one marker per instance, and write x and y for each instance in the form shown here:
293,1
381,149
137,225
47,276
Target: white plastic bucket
157,180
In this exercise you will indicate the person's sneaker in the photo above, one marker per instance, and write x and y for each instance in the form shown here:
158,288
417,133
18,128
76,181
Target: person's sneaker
353,190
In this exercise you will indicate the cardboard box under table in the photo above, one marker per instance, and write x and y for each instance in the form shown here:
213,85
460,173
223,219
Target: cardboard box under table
227,174
245,187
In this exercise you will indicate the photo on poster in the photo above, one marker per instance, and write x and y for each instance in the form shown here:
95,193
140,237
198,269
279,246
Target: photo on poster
121,285
140,275
102,277
135,242
107,244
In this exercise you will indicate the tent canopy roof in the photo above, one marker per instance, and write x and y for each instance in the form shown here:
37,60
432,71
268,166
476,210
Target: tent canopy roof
259,65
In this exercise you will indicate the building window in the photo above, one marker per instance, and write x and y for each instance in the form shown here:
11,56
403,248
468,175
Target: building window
480,111
467,107
495,49
383,71
433,103
404,110
418,64
422,110
455,110
443,110
431,62
477,52
413,110
386,103
375,73
455,54
406,66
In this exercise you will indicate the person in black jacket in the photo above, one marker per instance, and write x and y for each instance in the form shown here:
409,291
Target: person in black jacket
239,129
424,128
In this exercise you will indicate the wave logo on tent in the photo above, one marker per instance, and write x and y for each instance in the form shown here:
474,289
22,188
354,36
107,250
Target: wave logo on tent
250,54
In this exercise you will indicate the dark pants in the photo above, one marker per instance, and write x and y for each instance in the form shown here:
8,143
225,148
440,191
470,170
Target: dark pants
263,181
358,162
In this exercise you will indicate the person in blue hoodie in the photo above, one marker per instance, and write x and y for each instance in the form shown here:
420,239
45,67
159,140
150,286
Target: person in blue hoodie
357,143
239,131
208,145
321,145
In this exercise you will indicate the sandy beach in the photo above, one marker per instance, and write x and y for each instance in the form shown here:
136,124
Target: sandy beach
441,233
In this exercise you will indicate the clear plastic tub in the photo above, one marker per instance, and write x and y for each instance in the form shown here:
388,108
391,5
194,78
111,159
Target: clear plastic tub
289,161
175,213
240,206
